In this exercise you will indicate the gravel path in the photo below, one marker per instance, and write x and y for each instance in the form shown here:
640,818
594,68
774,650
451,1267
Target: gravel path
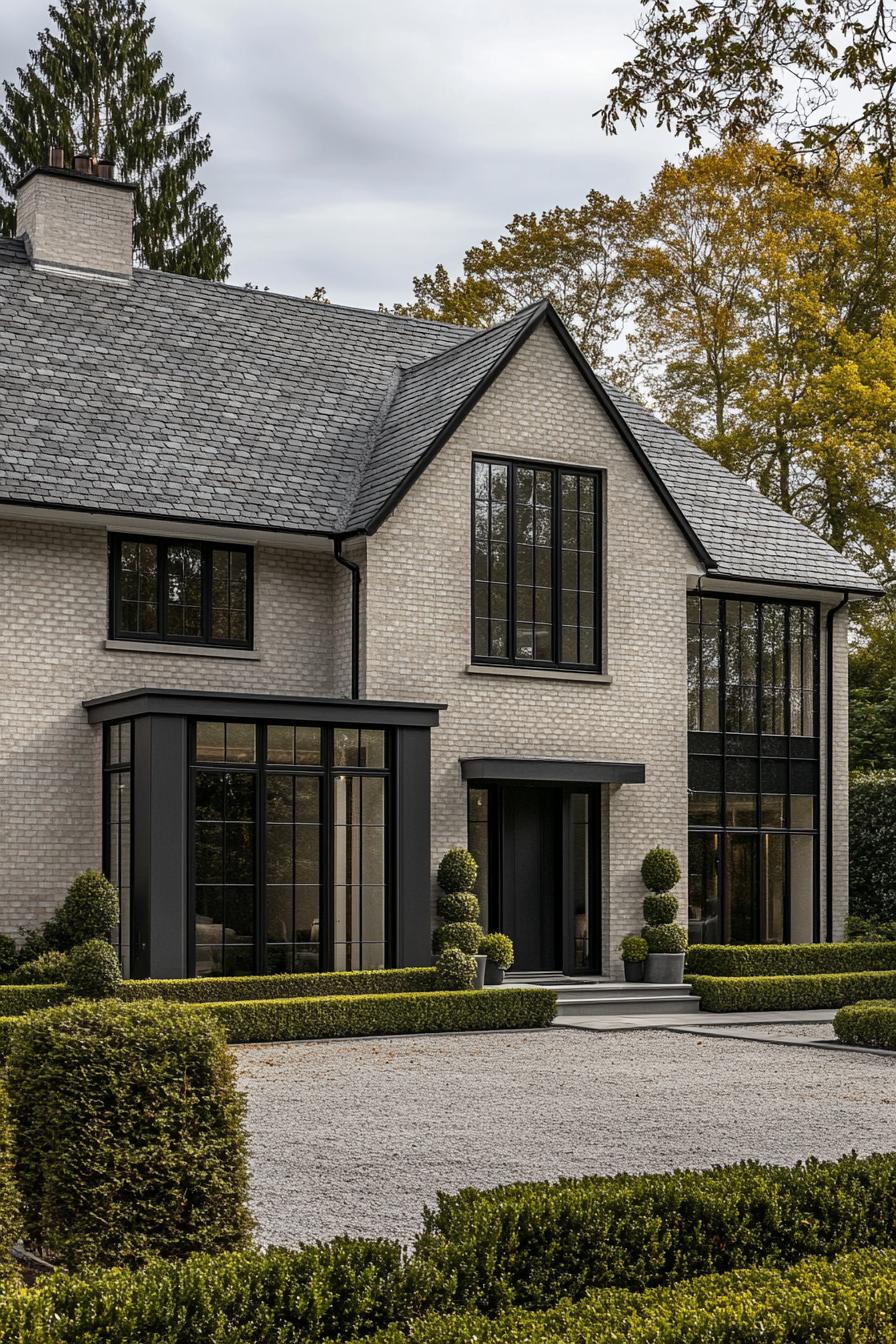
794,1031
353,1137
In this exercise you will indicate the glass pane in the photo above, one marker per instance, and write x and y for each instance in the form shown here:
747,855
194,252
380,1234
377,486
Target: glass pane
345,746
281,744
740,809
773,810
477,843
209,741
802,888
580,878
138,579
184,593
704,809
373,748
740,889
773,887
240,742
741,635
703,889
802,811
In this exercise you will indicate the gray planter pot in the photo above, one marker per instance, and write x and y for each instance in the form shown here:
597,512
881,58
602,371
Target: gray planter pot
480,971
634,970
665,968
494,974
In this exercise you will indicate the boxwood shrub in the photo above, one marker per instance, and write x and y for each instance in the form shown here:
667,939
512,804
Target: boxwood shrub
16,999
789,959
778,993
383,1014
310,984
852,1298
870,1023
10,1222
531,1245
128,1133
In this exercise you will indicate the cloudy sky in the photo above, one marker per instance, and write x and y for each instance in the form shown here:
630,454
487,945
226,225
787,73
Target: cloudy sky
358,142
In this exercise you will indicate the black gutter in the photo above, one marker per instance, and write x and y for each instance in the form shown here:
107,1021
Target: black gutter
355,571
829,782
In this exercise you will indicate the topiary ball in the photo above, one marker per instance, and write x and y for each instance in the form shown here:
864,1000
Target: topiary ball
660,870
660,907
466,935
665,938
458,871
456,969
498,948
454,906
90,909
50,968
93,970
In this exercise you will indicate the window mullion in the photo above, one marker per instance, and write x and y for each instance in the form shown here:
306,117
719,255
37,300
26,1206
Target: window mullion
511,564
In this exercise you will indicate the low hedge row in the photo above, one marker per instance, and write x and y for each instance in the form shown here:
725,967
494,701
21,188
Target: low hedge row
531,1245
776,993
383,1014
789,958
311,984
871,1023
850,1299
16,999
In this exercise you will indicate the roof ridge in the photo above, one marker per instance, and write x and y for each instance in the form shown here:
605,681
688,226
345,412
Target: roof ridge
374,429
477,334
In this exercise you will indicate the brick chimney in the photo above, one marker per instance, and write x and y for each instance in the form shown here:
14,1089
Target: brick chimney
77,219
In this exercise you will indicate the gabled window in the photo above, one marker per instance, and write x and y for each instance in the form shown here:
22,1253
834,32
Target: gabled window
536,565
188,592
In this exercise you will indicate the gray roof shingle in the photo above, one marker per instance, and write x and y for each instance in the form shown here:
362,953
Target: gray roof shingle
182,399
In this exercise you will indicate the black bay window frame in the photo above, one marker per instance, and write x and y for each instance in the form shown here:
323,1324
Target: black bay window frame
722,745
557,469
164,636
111,771
327,772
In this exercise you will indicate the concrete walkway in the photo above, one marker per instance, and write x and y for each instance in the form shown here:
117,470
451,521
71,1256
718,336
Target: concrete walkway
692,1022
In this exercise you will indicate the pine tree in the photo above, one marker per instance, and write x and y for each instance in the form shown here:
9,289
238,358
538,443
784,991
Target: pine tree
96,86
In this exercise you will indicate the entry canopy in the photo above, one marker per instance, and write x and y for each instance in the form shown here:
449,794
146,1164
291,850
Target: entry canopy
543,770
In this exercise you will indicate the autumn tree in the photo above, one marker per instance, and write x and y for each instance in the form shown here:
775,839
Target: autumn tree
94,85
573,256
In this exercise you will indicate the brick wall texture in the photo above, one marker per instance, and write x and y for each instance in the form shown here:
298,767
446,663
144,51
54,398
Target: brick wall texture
415,617
74,222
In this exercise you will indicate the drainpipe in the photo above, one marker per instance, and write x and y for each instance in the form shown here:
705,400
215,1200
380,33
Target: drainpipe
829,793
355,571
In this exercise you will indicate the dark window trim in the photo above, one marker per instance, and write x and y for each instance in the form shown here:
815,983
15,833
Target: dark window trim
326,772
111,769
163,636
598,475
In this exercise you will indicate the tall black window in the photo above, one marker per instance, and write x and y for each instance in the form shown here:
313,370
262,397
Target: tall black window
753,773
290,847
536,568
117,820
182,592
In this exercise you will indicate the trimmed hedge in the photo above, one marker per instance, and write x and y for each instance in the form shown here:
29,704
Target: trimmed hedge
16,999
872,845
777,993
789,958
128,1133
10,1212
310,984
530,1245
872,1023
853,1298
383,1014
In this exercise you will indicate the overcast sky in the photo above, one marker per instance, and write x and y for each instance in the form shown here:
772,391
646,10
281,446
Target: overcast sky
359,142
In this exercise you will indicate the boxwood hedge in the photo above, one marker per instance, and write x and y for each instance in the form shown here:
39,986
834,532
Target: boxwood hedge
789,959
311,984
383,1014
871,1023
10,1222
531,1245
128,1134
852,1298
15,999
777,993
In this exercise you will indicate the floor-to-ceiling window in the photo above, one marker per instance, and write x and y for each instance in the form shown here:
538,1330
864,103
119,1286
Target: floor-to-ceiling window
290,847
753,772
117,810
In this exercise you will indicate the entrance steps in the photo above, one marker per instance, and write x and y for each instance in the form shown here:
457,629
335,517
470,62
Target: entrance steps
593,996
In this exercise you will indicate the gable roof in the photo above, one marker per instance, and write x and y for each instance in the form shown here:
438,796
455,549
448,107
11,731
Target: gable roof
187,400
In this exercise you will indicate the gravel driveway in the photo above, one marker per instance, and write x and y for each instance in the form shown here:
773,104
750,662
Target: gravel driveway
353,1137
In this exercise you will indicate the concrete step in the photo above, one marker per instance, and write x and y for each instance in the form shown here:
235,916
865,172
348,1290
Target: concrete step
627,1005
619,989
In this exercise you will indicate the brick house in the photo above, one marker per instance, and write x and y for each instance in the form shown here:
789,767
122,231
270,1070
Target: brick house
297,596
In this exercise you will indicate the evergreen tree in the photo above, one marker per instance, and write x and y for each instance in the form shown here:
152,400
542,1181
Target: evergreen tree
95,86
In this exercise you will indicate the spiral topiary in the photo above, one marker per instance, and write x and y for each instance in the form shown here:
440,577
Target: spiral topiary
660,870
665,938
458,871
458,905
462,933
660,907
456,969
93,970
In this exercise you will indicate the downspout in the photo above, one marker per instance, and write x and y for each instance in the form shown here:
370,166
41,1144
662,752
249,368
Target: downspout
829,782
355,570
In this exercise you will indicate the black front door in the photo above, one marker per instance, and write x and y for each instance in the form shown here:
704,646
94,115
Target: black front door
531,876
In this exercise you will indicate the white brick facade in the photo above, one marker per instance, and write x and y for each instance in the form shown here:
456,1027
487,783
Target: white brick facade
67,220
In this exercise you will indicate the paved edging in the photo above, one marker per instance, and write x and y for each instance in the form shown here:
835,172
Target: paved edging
723,1034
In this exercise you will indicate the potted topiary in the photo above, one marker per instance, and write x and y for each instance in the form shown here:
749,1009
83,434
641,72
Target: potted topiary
458,907
666,940
633,951
498,950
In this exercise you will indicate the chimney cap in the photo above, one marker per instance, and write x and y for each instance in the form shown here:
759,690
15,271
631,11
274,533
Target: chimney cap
44,171
57,157
105,169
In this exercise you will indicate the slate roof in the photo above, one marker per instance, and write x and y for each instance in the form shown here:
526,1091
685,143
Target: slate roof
181,399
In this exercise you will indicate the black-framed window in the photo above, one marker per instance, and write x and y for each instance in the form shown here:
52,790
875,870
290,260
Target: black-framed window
291,847
118,827
753,798
536,564
175,591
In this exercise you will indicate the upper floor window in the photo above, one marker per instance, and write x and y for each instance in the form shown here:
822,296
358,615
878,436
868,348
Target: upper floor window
536,564
751,667
195,592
